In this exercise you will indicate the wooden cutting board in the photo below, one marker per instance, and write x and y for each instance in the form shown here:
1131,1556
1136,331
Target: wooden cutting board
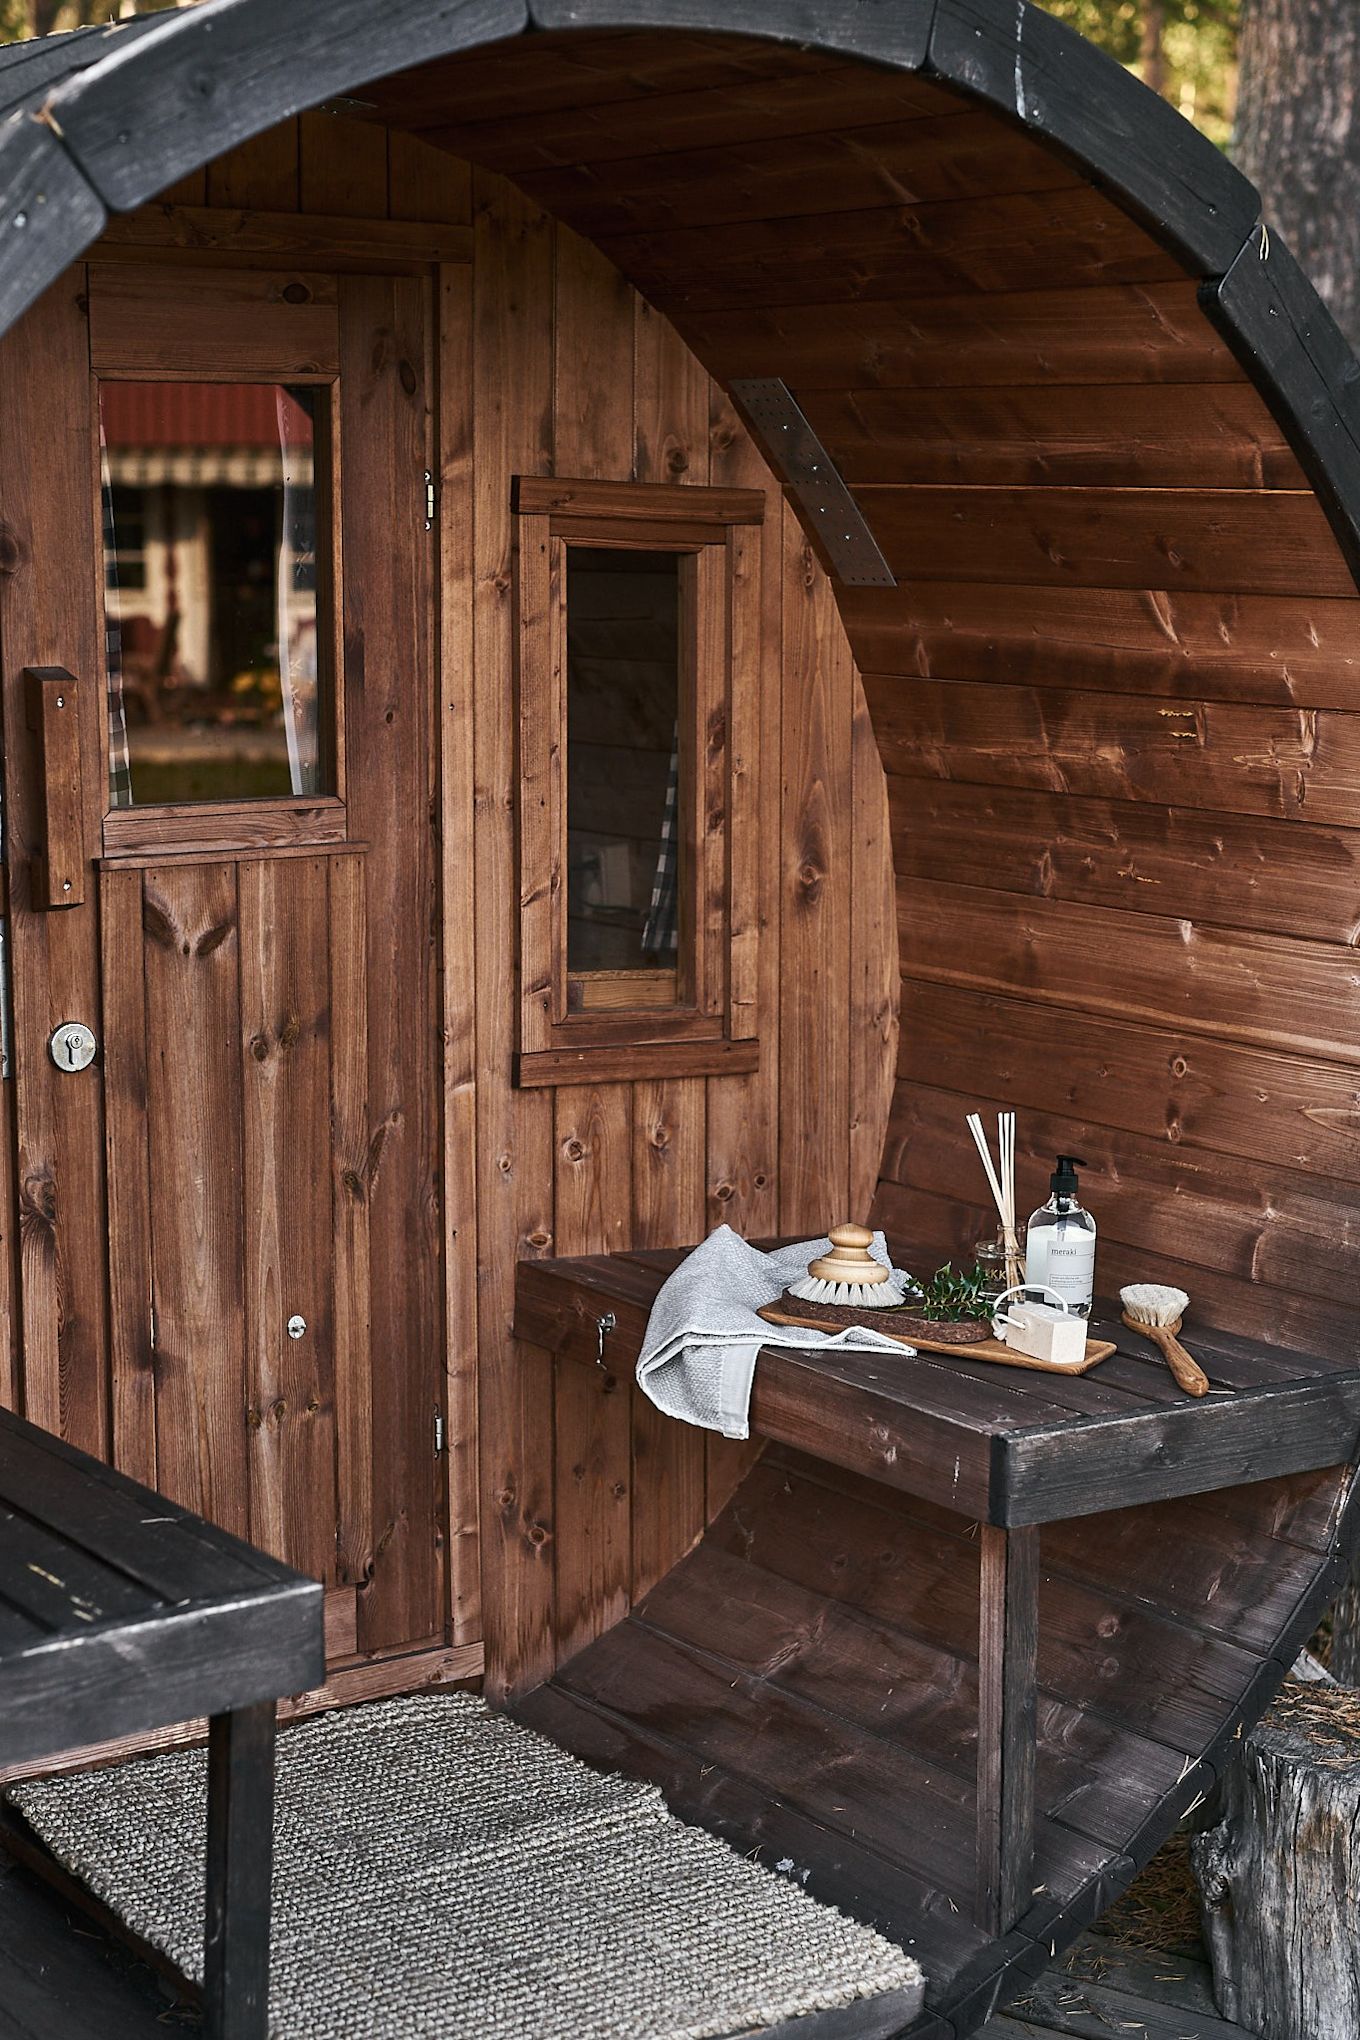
984,1349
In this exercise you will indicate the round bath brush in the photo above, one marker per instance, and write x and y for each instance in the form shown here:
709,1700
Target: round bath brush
849,1275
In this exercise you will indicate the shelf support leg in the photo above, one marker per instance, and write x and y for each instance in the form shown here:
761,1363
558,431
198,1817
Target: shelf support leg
239,1860
1008,1632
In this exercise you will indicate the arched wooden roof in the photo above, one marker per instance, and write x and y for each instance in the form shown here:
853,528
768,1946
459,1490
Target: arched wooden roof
104,119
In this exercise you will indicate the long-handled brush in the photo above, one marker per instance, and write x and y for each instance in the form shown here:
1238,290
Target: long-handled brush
1155,1309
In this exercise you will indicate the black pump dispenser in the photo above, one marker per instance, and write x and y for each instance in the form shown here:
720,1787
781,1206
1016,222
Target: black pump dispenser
1063,1181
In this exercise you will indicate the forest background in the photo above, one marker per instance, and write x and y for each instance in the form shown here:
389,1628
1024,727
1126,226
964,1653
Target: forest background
1185,49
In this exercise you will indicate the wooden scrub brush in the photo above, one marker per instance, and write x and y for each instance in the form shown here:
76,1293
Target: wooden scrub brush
1156,1310
849,1278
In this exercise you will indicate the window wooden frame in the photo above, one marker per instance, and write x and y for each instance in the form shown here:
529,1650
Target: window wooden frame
580,1027
150,324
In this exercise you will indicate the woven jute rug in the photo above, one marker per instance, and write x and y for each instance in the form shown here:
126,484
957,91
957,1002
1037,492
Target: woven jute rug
442,1871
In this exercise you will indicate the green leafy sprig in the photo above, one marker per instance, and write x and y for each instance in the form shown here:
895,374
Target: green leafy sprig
948,1297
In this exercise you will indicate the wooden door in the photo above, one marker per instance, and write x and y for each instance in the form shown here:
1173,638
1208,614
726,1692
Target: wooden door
230,1221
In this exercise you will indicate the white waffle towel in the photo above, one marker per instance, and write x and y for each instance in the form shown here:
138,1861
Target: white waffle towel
699,1356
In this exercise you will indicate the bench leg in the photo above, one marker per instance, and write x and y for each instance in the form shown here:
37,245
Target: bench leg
1007,1652
239,1863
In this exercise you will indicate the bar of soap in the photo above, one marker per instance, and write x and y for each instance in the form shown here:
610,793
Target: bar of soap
1044,1333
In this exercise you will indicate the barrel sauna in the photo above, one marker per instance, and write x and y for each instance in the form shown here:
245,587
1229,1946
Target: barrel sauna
1016,469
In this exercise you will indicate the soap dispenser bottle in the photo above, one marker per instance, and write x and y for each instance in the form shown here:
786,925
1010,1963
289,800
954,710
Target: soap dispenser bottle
1060,1243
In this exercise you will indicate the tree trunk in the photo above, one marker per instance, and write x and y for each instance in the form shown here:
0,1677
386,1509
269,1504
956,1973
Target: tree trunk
1279,1873
1153,56
1298,137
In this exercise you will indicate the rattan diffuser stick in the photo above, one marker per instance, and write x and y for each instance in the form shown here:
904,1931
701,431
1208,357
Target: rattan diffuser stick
1002,1184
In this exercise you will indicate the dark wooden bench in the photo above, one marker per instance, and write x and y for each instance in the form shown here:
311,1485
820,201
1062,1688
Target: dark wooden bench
119,1614
969,1639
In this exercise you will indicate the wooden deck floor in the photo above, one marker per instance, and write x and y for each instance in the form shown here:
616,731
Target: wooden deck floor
62,1980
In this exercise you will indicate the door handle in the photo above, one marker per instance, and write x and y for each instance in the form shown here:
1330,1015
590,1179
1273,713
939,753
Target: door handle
53,698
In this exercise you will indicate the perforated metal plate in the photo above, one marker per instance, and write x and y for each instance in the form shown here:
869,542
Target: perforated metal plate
799,458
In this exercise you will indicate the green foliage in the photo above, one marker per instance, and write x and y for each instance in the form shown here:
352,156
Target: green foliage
948,1297
1198,43
22,18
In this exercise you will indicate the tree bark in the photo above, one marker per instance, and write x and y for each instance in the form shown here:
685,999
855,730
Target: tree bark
1298,137
1279,1872
1153,55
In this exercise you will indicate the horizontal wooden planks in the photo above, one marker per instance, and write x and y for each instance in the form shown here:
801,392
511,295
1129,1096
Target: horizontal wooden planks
1286,1229
261,324
552,75
853,1780
1265,542
1280,1319
1151,859
1101,435
1189,645
874,1672
811,101
1010,243
1297,763
960,156
1104,335
1159,1083
1302,997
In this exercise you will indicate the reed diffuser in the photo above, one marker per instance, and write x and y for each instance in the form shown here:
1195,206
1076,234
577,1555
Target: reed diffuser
1001,1181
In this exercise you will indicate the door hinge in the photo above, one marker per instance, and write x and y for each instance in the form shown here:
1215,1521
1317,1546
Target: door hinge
438,1433
429,500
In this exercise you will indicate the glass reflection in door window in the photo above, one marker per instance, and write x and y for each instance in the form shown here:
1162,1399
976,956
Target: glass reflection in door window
215,504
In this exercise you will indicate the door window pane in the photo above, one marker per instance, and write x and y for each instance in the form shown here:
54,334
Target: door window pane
623,764
215,500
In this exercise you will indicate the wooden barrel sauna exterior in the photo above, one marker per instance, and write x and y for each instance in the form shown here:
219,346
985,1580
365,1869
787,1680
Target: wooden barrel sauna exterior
1105,444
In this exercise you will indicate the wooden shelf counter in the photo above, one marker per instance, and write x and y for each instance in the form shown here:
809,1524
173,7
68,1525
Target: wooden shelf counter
967,1641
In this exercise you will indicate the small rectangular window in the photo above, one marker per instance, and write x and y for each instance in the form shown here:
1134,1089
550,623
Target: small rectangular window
638,656
625,852
215,506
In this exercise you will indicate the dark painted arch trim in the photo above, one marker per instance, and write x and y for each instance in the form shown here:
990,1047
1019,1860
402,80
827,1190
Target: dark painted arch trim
211,77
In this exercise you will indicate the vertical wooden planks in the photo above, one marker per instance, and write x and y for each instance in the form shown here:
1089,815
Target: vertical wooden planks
815,920
10,1362
194,1113
388,583
743,1112
425,183
875,980
289,1271
593,380
47,618
668,1210
512,411
342,166
351,1161
594,1169
670,403
457,640
131,1292
670,1116
259,175
540,595
668,1162
593,438
593,1436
